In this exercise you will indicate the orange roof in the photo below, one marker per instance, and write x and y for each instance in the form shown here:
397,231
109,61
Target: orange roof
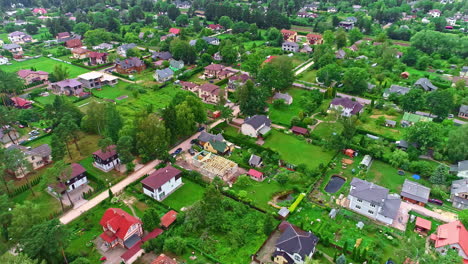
255,173
423,223
174,31
287,31
163,259
451,233
168,218
119,220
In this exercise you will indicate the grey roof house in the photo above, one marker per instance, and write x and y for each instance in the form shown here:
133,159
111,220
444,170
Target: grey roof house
463,112
256,125
163,75
399,90
283,96
207,137
122,50
211,40
6,137
176,64
460,169
425,84
290,46
165,55
255,161
459,194
415,193
295,244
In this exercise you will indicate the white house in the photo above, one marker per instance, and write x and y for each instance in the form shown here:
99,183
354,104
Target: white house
347,106
3,60
19,37
373,201
256,125
451,21
70,181
106,160
434,13
122,50
163,75
162,182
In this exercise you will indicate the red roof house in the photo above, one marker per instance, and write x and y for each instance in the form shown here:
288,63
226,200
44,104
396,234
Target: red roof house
422,225
106,160
256,175
168,219
299,130
73,43
269,59
175,31
452,235
289,35
41,11
215,27
349,153
163,259
314,39
120,228
21,102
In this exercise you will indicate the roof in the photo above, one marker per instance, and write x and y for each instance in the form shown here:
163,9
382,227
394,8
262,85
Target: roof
348,103
210,88
160,177
415,118
214,67
17,33
77,169
188,84
205,137
219,146
163,259
415,191
90,75
18,101
255,173
73,43
119,220
178,64
391,206
24,73
242,78
168,218
258,121
165,73
294,240
283,254
289,43
287,31
368,191
215,26
425,84
210,39
129,63
97,55
63,35
397,89
314,36
175,31
255,160
128,46
459,186
423,223
165,55
11,46
390,122
111,151
299,130
451,233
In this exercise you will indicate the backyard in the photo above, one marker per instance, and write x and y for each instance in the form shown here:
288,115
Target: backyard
188,194
297,151
284,114
43,64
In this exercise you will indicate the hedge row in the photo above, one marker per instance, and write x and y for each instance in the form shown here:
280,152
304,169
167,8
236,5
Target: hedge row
120,75
222,82
186,75
39,137
24,187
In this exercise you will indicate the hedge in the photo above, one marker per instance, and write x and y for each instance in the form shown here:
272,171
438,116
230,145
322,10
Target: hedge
186,75
297,202
121,75
39,137
25,187
222,82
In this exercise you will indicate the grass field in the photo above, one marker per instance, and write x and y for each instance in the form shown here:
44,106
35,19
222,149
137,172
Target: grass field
308,76
113,92
43,64
326,130
284,114
296,151
189,193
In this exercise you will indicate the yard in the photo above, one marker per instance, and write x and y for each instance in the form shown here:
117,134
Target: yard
284,114
188,194
308,76
114,92
111,176
297,151
43,64
326,130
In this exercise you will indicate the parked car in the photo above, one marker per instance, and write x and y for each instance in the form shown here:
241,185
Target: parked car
21,126
194,141
192,152
435,201
201,129
177,151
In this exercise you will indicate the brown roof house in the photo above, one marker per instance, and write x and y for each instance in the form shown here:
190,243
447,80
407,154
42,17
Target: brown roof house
97,58
30,76
217,71
211,93
71,180
415,193
38,157
189,86
70,87
80,53
106,160
7,135
236,81
129,66
162,182
62,36
73,43
289,35
347,106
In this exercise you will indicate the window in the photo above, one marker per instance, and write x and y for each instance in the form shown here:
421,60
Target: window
370,212
372,205
358,207
359,200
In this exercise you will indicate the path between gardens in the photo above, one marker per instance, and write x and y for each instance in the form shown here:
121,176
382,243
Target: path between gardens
312,128
303,68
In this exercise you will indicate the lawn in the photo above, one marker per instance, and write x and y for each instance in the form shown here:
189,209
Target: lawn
297,151
188,194
308,76
284,114
113,92
45,100
43,64
39,141
111,176
326,130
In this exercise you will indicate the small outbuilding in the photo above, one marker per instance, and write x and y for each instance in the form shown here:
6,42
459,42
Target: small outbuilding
256,175
349,152
299,130
423,226
255,161
366,162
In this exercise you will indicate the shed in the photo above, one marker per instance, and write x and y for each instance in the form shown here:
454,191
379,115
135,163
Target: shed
283,212
366,162
299,130
390,123
422,225
256,175
255,161
349,152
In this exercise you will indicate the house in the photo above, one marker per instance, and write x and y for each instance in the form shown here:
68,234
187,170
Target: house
311,7
217,56
299,130
163,75
120,228
62,36
38,157
96,79
460,169
425,84
464,71
283,96
73,43
215,143
175,31
163,259
212,165
176,65
452,235
373,201
340,54
395,89
410,119
165,37
347,106
255,161
211,40
451,21
215,27
164,55
39,11
290,46
366,162
30,76
103,46
459,193
314,39
390,123
21,103
8,135
15,49
70,180
189,86
306,15
289,35
213,70
210,93
168,219
415,193
19,37
294,245
422,225
129,66
161,183
236,81
434,13
70,87
182,5
97,58
463,111
122,50
348,25
255,126
106,160
306,48
256,175
3,60
80,53
331,9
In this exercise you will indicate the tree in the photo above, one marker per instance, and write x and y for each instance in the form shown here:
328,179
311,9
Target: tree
340,38
252,63
424,134
355,80
20,259
228,52
94,120
124,148
251,99
164,22
10,84
197,108
328,37
97,36
173,12
463,216
81,260
398,158
81,28
182,20
114,122
410,57
176,245
413,100
152,137
196,24
31,29
268,225
134,52
225,21
457,145
25,216
277,74
5,214
440,174
46,241
185,119
341,259
150,219
329,73
15,161
60,73
181,50
354,35
440,103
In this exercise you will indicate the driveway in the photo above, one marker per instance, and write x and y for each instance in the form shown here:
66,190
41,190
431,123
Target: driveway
403,215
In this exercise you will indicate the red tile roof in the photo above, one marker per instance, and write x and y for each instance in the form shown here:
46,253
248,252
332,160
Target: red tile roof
214,67
269,59
423,223
108,236
77,169
188,84
160,177
174,31
153,234
119,220
255,173
286,31
24,73
79,51
168,218
111,151
97,54
314,36
131,251
18,101
451,233
73,43
299,130
215,26
163,259
210,88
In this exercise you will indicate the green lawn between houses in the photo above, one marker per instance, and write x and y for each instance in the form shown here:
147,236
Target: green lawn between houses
188,194
297,151
284,114
43,64
326,130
